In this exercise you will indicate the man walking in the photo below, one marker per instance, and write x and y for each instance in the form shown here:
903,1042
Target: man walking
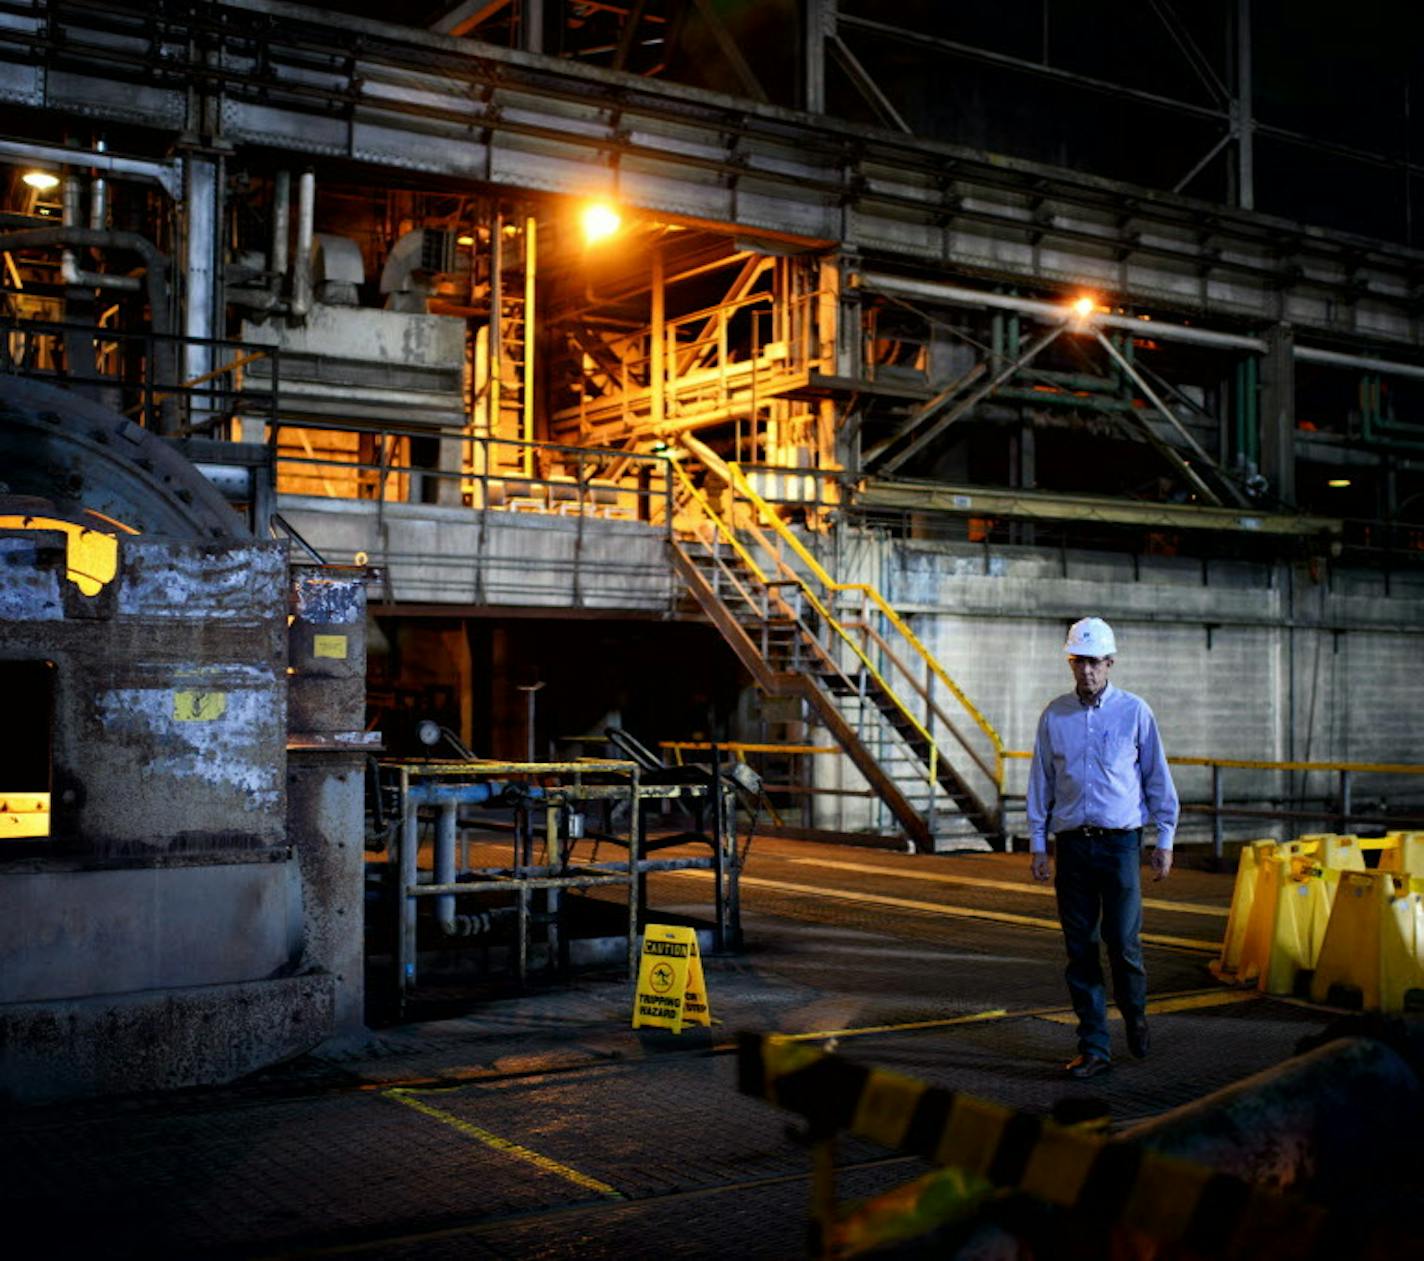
1098,774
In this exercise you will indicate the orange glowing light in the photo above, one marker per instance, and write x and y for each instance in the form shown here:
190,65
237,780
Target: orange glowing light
599,221
1084,307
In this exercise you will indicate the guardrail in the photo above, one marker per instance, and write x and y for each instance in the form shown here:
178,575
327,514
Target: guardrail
1343,813
822,610
871,599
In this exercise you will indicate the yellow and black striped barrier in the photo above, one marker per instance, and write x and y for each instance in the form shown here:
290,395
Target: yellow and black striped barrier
1104,1184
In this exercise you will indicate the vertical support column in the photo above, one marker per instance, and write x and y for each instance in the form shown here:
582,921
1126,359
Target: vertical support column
326,703
495,343
531,265
1217,830
444,862
1277,412
531,26
1243,124
820,26
202,246
407,876
635,859
657,358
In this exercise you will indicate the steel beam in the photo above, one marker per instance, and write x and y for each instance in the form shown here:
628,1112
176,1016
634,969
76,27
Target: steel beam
394,97
978,501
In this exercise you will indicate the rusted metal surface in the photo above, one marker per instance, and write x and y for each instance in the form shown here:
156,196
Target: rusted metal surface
77,454
327,650
169,718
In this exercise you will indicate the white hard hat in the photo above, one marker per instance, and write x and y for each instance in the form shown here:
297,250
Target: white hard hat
1090,637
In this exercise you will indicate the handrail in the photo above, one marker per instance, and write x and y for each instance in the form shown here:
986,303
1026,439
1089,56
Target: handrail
826,615
727,532
1255,764
883,605
923,693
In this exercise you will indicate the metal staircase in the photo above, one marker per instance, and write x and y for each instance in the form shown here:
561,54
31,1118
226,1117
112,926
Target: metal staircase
843,650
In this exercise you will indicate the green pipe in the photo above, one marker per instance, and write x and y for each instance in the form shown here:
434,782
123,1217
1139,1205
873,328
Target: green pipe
1253,411
1074,380
1379,430
1238,412
1097,404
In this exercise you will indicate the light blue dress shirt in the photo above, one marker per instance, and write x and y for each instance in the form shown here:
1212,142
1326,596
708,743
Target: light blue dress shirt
1099,765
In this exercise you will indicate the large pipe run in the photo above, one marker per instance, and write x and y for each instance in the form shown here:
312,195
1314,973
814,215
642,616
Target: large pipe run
1158,330
156,268
302,264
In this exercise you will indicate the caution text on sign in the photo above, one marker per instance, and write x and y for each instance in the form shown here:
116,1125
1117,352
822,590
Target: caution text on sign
671,989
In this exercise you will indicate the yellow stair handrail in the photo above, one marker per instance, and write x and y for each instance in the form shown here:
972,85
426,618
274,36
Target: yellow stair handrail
769,514
822,610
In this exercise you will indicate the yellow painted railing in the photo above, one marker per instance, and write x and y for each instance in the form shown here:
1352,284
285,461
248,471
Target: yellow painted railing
1257,764
825,614
770,515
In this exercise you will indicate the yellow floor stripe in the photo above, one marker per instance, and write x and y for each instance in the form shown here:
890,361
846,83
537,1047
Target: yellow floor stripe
998,1013
1008,886
941,908
470,1130
1187,1002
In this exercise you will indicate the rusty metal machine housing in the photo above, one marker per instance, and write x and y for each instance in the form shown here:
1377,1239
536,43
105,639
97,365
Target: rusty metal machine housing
190,909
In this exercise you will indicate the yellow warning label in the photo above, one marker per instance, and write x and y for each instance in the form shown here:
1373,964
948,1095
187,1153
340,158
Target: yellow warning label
199,706
333,646
671,989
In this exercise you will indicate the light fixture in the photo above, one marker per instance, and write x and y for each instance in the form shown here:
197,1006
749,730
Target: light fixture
465,240
41,181
1083,307
1338,482
599,221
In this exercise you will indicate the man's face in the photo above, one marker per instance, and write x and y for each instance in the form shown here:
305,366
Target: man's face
1090,674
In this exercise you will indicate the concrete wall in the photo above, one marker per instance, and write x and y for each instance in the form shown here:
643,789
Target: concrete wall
449,555
1238,660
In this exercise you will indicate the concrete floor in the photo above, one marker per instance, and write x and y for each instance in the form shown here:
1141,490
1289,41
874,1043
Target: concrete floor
543,1126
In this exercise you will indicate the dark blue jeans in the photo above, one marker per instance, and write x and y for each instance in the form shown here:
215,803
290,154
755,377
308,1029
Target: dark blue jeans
1100,898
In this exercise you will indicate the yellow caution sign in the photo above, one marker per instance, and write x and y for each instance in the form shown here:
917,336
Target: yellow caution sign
333,646
193,706
671,989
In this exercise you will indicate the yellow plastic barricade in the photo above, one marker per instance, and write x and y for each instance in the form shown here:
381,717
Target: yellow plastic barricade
1334,853
1403,853
1373,942
1286,929
1243,897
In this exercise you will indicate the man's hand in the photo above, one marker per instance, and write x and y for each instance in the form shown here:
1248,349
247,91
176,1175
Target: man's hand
1041,867
1161,863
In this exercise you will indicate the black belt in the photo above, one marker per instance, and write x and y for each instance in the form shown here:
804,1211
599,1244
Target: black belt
1089,831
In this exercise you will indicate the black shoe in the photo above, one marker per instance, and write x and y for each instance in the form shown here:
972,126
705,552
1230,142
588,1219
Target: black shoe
1137,1039
1081,1066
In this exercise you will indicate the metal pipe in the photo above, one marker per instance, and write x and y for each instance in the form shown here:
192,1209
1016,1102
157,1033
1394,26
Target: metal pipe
444,864
168,174
156,280
278,259
409,873
1366,363
1049,312
302,267
98,195
1158,330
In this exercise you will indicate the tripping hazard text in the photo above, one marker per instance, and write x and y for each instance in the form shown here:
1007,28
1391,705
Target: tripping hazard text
671,990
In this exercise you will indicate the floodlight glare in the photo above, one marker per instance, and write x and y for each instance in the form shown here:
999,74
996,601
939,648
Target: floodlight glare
1083,307
40,181
599,221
